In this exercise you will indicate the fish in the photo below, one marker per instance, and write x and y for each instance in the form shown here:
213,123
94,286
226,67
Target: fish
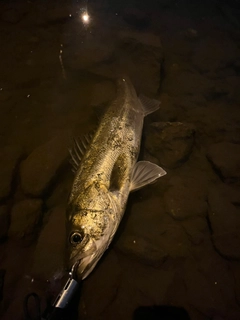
106,171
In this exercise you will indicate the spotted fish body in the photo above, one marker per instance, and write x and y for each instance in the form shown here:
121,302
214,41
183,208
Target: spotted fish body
105,176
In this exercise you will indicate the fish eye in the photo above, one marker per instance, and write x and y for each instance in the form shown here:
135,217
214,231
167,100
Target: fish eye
76,238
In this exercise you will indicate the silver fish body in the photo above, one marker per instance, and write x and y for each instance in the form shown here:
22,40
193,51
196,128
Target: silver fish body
107,173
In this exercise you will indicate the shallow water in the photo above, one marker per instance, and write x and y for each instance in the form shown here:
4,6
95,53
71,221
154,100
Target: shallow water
178,243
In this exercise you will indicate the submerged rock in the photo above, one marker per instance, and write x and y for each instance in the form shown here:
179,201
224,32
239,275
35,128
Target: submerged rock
209,56
186,83
143,249
9,159
184,200
101,288
227,244
58,14
224,218
2,275
191,34
197,229
87,52
205,275
41,167
217,271
137,18
157,236
60,192
235,268
232,87
25,218
4,222
170,142
198,287
49,254
140,56
225,158
103,92
5,95
12,16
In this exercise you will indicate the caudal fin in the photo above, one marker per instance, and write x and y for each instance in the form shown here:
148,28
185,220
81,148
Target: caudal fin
149,105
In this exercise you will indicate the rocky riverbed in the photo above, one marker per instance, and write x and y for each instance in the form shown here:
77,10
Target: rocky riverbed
179,243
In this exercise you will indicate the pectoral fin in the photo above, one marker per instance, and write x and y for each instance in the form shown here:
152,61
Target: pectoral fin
145,173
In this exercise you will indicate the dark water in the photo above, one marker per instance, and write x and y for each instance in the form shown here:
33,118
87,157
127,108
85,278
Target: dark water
177,248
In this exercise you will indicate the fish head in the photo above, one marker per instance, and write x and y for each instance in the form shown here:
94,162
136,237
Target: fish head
83,252
90,230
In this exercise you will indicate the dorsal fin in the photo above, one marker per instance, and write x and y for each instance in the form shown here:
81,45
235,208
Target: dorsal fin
78,150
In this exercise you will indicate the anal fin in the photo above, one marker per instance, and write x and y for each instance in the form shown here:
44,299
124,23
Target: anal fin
144,173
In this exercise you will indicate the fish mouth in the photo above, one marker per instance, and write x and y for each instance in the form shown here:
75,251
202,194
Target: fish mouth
82,264
85,266
86,260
